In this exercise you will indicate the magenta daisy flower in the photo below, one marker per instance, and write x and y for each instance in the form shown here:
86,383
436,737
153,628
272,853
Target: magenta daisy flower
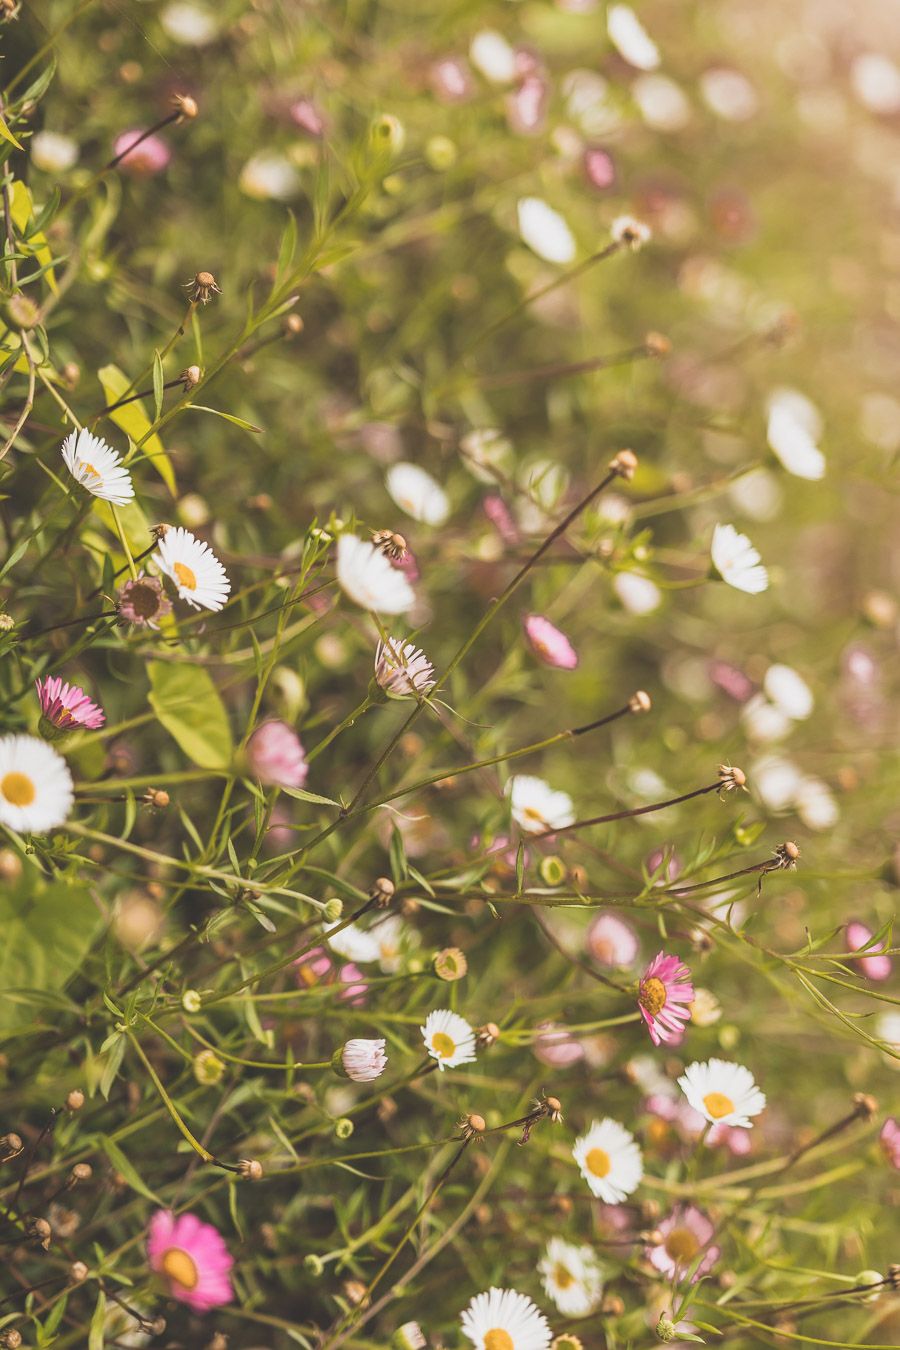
549,644
683,1236
191,1255
665,994
66,707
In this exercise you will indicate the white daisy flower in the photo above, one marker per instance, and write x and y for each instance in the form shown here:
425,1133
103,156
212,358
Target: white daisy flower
35,785
722,1092
502,1319
789,692
363,1061
97,467
536,806
545,231
199,577
571,1277
630,38
448,1038
403,670
53,152
417,493
353,943
366,576
737,561
793,428
393,937
269,177
610,1160
490,53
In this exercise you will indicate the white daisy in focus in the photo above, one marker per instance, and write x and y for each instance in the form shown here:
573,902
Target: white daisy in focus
97,467
365,575
545,231
502,1319
737,561
789,692
571,1277
630,38
610,1160
353,943
536,806
448,1038
199,577
722,1092
417,493
792,430
35,785
490,53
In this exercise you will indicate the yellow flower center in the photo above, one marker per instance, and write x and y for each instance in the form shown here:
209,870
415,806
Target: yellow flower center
89,468
444,1045
562,1276
682,1246
498,1339
185,576
531,814
181,1268
718,1105
598,1162
652,995
18,789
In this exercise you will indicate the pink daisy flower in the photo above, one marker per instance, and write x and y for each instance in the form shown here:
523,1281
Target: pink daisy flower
611,941
151,156
890,1141
354,984
549,644
875,965
191,1255
276,757
66,707
313,967
685,1233
665,994
556,1048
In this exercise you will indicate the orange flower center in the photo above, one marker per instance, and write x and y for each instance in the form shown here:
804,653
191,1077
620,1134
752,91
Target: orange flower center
89,468
185,576
682,1246
718,1105
652,994
18,789
598,1162
445,1045
498,1339
181,1268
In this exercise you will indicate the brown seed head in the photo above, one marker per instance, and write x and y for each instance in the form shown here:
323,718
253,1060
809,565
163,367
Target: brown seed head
731,778
10,1147
865,1105
657,344
382,892
640,701
190,377
185,106
11,1339
488,1034
75,1100
203,287
81,1172
293,325
392,544
78,1272
624,464
250,1169
157,798
39,1231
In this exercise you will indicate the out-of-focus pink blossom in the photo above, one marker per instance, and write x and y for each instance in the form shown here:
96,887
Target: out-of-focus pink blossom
451,79
499,515
549,643
556,1048
683,1236
355,986
151,156
654,864
307,117
526,106
611,941
276,757
889,1138
599,168
875,965
313,967
730,680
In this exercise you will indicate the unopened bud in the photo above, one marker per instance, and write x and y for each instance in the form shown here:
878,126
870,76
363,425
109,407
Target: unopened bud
78,1272
250,1169
344,1127
665,1328
191,1001
333,909
190,377
313,1265
382,892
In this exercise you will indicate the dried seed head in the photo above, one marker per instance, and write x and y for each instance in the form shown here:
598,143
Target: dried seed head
624,464
731,778
81,1172
450,964
355,1291
551,1107
75,1100
185,106
7,623
487,1034
219,1341
892,1279
39,1231
157,798
78,1272
11,1339
786,856
392,545
472,1125
864,1105
640,701
202,288
630,233
657,344
293,325
250,1169
10,1147
190,377
382,892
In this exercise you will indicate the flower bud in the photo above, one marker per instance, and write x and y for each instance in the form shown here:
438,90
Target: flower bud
450,964
344,1127
333,909
191,1001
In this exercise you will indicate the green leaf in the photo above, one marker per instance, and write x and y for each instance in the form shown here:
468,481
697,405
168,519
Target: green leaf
303,796
187,703
22,212
229,417
127,1169
48,930
8,136
158,385
133,420
96,1337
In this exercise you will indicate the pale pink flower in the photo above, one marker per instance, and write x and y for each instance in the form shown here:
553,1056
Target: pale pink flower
526,107
498,513
451,79
276,757
599,168
556,1048
363,1061
307,117
611,941
684,1233
664,998
313,967
875,965
668,872
142,600
66,707
354,984
192,1256
549,644
730,680
151,156
889,1138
